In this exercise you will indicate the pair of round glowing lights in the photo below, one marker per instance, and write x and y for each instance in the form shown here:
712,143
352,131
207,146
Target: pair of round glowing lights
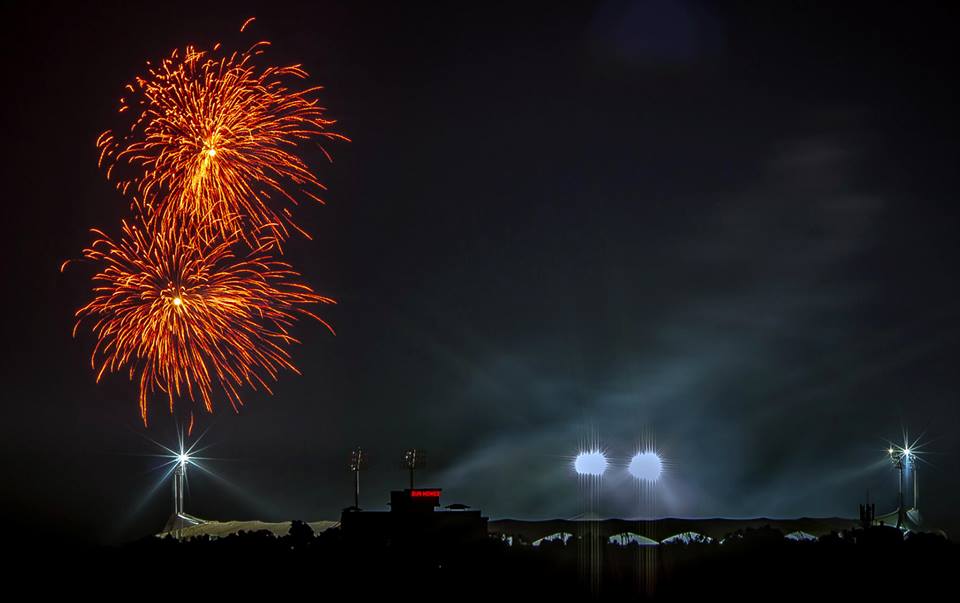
645,466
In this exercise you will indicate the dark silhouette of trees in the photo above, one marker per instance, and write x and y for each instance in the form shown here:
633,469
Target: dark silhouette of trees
300,534
754,564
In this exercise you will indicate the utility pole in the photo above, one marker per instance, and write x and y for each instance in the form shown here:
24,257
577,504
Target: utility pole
358,461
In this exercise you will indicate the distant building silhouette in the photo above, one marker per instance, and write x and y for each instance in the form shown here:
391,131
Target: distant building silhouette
414,518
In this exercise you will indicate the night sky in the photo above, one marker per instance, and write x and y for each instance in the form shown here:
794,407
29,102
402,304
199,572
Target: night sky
726,228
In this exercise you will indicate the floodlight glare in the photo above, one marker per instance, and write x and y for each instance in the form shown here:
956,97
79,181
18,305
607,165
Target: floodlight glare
590,463
646,466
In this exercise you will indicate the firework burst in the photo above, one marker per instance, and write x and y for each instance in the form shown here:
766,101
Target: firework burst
189,316
218,141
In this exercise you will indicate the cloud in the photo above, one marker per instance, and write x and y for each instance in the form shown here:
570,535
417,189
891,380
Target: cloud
729,378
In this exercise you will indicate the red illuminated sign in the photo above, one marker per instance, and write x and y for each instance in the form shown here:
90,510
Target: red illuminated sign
425,494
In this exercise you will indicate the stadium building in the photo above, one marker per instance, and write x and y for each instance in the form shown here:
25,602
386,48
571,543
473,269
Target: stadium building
415,518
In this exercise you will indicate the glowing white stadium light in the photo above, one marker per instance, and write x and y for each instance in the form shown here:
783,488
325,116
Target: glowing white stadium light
905,460
592,462
646,466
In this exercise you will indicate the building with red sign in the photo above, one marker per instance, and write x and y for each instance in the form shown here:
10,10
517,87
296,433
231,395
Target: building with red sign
415,518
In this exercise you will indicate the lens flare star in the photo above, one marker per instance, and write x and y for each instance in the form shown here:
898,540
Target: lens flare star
910,453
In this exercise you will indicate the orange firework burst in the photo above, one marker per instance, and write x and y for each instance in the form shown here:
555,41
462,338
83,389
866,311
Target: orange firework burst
188,314
215,140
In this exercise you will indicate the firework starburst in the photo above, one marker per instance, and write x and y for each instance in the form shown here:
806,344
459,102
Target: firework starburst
219,140
189,316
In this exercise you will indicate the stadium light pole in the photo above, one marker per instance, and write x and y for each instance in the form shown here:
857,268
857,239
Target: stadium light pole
916,487
899,457
179,479
413,459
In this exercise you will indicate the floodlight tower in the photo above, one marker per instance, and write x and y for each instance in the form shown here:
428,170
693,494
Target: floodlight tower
413,459
179,478
916,488
179,481
898,457
358,461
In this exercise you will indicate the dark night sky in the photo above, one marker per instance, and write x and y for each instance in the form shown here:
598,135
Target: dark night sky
727,227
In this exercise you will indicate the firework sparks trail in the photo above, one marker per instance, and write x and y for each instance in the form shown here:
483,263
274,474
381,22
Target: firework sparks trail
189,315
217,139
212,162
